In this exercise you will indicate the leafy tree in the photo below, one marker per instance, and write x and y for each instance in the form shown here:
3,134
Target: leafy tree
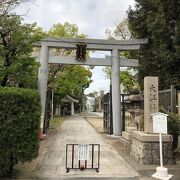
93,94
98,99
121,32
17,67
65,30
107,72
61,30
128,79
74,80
159,21
67,79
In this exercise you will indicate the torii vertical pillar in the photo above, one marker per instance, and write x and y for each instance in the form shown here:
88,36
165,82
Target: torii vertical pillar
42,80
116,98
72,108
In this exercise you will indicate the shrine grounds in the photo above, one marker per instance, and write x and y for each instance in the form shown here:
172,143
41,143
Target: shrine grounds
115,160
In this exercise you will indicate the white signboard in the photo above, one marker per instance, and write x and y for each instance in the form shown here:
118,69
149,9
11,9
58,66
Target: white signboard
83,152
159,123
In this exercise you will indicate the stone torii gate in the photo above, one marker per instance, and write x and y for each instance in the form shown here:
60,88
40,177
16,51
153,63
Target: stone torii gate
91,44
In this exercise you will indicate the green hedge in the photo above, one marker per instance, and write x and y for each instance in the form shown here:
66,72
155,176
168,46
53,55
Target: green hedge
173,128
19,126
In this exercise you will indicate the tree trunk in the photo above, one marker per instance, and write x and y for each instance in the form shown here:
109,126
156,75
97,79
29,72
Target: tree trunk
4,81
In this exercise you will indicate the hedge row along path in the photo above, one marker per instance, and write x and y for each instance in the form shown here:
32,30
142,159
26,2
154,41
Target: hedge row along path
75,129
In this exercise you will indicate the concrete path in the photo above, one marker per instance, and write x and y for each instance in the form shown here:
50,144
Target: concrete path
76,129
97,113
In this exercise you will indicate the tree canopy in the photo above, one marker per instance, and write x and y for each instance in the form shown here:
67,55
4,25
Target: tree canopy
121,32
65,30
127,78
74,80
17,67
67,79
159,21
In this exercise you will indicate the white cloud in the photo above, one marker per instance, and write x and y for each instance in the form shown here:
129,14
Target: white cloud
100,82
91,16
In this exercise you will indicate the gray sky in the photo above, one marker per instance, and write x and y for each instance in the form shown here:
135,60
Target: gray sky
92,17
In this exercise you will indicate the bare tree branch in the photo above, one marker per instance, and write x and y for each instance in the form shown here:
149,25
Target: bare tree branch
7,5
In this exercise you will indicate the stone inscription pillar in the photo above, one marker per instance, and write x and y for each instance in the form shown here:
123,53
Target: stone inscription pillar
42,79
151,101
116,104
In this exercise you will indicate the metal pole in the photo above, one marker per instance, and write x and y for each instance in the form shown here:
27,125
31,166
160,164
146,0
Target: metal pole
110,110
98,156
92,156
172,99
123,112
52,105
160,146
179,103
66,154
72,156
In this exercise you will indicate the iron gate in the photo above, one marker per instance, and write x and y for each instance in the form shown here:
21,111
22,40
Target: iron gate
107,113
74,161
48,111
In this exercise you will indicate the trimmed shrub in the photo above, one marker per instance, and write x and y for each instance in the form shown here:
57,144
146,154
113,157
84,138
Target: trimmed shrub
174,128
19,127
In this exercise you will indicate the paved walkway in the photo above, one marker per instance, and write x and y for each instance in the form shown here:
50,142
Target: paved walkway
76,129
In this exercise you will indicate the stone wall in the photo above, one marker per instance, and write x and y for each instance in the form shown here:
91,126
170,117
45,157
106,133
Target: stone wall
148,152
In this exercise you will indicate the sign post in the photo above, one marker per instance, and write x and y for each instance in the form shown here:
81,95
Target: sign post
160,126
160,147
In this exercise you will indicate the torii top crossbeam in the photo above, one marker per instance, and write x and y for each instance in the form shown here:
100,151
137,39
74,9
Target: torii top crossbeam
93,44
